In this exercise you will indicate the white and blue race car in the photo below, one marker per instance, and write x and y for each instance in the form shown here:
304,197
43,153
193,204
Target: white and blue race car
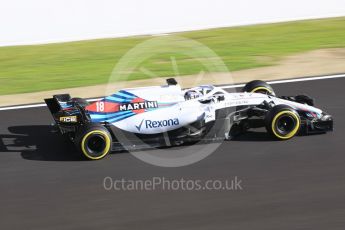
167,115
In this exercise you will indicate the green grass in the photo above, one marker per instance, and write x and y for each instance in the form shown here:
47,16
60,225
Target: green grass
63,65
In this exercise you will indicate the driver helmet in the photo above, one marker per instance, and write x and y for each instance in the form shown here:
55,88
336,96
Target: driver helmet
192,94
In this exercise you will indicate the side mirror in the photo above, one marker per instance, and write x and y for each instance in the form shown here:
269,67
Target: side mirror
171,81
221,98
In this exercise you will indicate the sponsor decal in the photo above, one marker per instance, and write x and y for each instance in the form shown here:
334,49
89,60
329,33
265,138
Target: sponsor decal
236,103
68,119
151,124
139,126
138,105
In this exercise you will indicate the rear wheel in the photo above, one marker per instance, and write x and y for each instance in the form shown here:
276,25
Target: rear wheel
258,86
283,122
93,142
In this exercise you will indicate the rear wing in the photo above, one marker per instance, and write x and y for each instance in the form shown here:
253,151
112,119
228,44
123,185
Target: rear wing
66,110
57,102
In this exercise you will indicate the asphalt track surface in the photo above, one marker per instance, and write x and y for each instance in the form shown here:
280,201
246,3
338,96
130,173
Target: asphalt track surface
295,184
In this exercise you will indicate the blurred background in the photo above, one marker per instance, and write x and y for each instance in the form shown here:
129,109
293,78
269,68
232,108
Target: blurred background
49,46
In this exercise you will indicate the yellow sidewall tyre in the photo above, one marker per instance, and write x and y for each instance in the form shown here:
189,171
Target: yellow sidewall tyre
262,89
283,122
93,142
258,86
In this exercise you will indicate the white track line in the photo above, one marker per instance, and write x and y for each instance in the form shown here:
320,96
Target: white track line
223,87
22,106
292,80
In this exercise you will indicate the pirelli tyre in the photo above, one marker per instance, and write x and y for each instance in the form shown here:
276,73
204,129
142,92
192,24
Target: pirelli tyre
258,86
93,141
283,122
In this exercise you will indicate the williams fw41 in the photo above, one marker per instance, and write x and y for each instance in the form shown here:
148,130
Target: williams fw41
159,116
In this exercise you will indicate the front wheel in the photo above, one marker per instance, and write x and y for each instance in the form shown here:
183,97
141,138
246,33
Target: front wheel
283,122
93,142
258,86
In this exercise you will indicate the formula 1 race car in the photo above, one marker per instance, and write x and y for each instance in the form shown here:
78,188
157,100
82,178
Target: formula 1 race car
166,115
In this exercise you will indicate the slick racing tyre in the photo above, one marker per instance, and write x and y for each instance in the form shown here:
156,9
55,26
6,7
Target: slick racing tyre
283,122
93,142
258,86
